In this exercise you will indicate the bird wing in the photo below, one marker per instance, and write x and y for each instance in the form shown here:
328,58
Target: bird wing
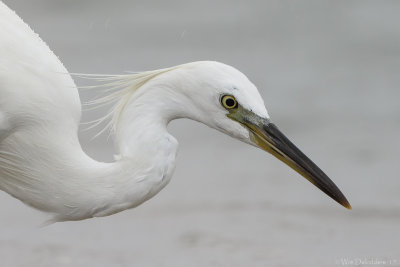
35,87
40,112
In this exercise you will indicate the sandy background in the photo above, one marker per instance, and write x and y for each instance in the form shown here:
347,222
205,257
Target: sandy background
329,74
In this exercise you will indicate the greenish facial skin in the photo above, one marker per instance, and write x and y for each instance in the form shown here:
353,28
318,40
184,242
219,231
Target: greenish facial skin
268,137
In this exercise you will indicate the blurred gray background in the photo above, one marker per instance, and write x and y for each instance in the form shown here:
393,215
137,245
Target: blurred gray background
329,74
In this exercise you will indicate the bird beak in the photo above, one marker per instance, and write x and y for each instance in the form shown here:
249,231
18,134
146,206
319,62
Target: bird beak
268,137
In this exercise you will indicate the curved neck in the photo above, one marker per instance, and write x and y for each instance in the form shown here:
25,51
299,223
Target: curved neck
81,187
43,164
142,127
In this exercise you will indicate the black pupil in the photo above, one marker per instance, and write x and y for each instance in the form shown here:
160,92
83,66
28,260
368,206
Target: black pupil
230,102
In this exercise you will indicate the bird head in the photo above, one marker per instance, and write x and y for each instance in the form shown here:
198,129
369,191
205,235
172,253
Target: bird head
223,98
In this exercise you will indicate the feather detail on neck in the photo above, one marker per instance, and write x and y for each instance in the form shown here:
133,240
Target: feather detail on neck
118,90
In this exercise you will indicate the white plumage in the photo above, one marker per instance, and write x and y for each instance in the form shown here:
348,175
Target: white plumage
41,160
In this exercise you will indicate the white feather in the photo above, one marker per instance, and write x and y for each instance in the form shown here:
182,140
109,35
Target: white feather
41,160
119,89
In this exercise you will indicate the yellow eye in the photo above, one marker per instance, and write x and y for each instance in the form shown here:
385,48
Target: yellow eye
229,102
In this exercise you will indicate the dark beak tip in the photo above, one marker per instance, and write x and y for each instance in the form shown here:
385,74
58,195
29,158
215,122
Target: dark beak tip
347,205
339,198
342,200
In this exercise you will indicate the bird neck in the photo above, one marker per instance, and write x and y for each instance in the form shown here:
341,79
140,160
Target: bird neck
141,135
142,127
147,153
80,187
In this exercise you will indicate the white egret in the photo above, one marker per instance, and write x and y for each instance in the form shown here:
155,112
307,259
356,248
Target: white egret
42,162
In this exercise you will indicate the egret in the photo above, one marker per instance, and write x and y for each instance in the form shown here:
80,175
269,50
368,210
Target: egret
42,162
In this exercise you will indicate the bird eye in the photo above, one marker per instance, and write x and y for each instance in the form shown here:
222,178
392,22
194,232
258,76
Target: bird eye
229,102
